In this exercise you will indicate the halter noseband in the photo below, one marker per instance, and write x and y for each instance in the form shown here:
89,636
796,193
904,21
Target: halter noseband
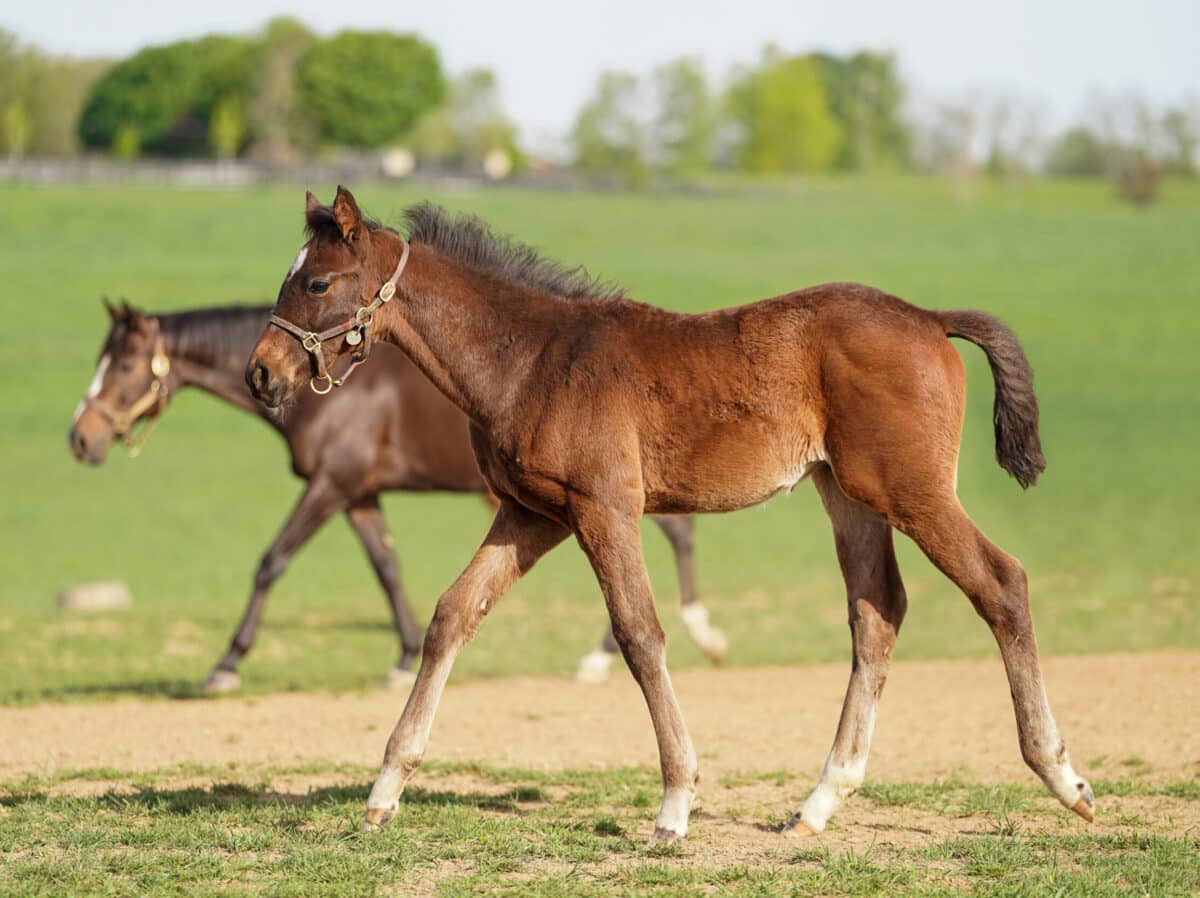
357,329
154,398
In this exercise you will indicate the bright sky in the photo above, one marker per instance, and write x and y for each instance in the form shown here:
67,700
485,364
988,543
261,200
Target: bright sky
548,53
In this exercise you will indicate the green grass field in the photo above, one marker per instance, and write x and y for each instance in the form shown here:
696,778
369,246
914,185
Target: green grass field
568,834
1105,297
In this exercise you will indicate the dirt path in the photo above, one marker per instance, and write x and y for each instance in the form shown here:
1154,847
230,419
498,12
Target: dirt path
938,719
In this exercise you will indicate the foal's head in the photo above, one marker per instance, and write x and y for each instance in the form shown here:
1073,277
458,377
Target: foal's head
130,384
336,275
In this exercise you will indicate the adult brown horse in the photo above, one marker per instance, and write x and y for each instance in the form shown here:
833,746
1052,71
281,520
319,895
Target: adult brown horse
390,430
588,409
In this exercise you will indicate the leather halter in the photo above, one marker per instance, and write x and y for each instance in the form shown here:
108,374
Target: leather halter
359,327
154,399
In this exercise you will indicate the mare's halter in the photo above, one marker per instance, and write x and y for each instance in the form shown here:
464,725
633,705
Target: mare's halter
356,329
154,399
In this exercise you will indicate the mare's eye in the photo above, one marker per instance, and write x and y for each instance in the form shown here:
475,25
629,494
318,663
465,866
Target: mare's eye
125,367
318,287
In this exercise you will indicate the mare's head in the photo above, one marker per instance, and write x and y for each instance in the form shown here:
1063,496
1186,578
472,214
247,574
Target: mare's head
336,276
130,384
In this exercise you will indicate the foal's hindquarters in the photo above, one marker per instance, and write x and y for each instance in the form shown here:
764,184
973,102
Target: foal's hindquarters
858,389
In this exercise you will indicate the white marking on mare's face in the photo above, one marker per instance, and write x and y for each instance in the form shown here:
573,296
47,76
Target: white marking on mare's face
94,387
300,257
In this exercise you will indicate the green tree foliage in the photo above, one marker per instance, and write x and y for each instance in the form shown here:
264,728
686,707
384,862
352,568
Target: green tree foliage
782,115
470,125
608,136
1180,138
40,99
169,94
866,97
365,89
1078,152
278,121
685,117
226,127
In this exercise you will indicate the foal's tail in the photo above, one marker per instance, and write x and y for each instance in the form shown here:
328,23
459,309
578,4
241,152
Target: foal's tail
1015,413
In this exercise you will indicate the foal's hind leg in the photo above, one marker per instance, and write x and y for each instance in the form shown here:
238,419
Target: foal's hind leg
371,527
876,599
610,539
996,584
594,667
516,540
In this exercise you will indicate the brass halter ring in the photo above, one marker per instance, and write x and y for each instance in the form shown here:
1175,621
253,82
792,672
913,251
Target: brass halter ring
330,383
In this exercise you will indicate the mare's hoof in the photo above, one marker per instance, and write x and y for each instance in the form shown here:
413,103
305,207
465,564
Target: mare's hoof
797,829
220,682
716,647
665,836
377,817
399,680
1086,806
593,668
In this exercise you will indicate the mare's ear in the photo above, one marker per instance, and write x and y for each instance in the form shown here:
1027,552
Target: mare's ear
345,213
312,208
112,310
138,320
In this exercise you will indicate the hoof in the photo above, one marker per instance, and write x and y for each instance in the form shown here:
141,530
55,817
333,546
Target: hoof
716,648
220,682
377,817
1086,806
665,836
399,680
594,668
797,829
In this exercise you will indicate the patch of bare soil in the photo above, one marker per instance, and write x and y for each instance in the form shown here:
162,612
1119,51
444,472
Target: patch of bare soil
1123,716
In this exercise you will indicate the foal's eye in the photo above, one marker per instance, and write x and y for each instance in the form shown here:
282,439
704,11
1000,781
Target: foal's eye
318,287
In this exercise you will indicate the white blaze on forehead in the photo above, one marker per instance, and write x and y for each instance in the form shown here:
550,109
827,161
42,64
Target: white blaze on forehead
300,257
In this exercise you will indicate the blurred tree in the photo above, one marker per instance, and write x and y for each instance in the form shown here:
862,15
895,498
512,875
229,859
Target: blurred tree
169,93
16,129
278,120
58,98
1181,138
783,117
127,142
477,116
685,118
608,136
1077,151
364,89
866,97
226,127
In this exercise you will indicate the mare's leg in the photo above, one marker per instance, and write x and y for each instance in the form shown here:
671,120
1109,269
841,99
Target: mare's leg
594,667
320,500
371,527
875,595
518,538
610,538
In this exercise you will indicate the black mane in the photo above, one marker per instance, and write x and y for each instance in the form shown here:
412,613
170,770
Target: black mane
218,338
469,240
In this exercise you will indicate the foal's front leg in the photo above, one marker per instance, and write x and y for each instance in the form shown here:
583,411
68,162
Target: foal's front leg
610,538
516,540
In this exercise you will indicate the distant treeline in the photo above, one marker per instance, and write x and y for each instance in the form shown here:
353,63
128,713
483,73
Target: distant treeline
287,94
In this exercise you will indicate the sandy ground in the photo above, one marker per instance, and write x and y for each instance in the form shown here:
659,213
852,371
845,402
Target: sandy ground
938,719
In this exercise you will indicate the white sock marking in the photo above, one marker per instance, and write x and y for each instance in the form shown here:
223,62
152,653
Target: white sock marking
593,667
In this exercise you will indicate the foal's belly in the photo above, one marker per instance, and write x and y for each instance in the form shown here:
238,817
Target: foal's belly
727,476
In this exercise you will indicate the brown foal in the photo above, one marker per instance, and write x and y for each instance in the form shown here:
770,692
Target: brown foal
589,410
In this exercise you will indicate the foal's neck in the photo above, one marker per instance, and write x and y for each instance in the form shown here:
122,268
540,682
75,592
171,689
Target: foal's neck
475,337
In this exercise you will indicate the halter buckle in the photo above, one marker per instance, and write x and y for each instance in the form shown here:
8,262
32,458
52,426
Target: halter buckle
387,291
160,365
311,342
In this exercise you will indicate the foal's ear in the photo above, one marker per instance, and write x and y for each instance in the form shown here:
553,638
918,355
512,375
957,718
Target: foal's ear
312,205
345,213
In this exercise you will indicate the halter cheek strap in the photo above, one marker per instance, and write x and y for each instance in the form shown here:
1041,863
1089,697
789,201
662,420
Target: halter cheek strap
153,399
356,329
